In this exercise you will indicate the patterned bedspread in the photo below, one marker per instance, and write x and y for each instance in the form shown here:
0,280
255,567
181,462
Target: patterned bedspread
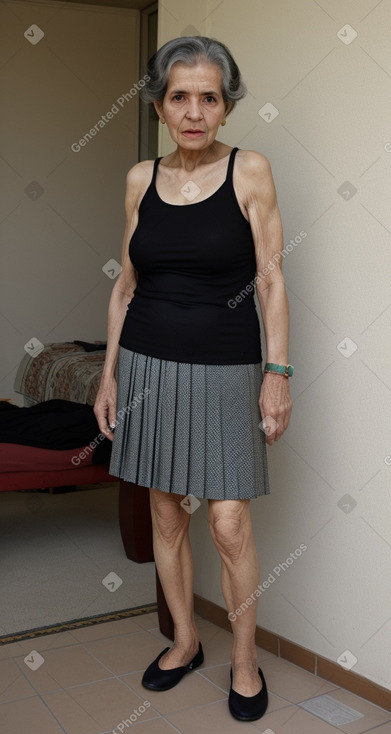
63,370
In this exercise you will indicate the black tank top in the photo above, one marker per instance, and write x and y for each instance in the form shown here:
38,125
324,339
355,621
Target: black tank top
194,299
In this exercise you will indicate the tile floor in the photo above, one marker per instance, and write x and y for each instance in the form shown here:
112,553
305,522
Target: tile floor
87,681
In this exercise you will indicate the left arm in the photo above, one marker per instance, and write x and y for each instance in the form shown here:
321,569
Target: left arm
275,400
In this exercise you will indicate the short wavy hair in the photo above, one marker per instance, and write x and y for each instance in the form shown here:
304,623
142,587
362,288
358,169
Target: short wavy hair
189,50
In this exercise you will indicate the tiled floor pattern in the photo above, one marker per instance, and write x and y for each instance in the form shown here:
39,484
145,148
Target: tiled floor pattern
88,681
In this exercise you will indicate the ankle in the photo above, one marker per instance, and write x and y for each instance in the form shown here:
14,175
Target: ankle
186,643
186,636
243,665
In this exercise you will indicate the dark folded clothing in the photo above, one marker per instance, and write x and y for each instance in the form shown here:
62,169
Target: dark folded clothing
90,346
54,424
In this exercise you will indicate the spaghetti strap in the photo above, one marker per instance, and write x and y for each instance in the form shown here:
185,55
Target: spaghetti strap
155,165
231,165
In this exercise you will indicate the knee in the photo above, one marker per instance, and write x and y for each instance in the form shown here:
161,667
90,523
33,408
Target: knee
169,519
228,536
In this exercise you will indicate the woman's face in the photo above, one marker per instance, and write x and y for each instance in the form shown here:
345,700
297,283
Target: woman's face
193,106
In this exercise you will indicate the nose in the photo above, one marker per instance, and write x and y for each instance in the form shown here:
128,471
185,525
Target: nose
194,111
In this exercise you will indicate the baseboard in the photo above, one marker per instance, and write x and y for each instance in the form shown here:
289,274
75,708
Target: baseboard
314,663
52,629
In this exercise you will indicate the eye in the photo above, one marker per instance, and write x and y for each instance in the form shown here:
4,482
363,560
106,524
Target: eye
175,98
209,97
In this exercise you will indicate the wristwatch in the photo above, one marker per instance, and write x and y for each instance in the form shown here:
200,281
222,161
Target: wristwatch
280,369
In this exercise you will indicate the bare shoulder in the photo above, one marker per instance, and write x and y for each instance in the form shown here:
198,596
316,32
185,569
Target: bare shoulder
138,179
139,174
252,164
254,178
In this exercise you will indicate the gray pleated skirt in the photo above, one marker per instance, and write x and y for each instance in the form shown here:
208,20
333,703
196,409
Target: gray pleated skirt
189,428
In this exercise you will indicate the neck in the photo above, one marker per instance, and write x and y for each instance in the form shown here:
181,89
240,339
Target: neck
188,160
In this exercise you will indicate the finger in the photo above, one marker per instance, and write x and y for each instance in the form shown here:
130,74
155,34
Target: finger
101,417
280,430
283,423
269,426
108,432
113,418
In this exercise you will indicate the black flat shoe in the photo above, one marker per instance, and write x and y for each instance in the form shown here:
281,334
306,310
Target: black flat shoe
248,708
157,679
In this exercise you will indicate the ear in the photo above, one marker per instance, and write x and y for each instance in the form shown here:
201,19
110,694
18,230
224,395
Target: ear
228,108
158,107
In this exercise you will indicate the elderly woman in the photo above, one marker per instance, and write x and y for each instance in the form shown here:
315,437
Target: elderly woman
182,385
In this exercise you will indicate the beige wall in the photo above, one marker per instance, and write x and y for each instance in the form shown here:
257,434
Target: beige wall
53,246
330,481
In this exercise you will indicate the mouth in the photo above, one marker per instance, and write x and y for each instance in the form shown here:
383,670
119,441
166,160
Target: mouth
192,132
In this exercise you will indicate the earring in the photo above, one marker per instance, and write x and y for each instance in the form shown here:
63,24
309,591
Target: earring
223,122
162,120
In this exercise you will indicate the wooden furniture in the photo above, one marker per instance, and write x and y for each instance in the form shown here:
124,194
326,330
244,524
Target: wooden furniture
136,531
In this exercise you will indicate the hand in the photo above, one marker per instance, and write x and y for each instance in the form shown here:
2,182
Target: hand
105,407
275,404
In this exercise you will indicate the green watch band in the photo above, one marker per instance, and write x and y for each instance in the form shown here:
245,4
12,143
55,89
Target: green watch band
280,369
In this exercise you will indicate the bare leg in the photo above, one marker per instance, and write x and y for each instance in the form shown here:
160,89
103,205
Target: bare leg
231,530
174,562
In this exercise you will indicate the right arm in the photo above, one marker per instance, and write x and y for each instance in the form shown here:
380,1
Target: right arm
105,406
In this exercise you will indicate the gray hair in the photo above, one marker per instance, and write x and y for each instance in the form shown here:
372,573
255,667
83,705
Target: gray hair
189,50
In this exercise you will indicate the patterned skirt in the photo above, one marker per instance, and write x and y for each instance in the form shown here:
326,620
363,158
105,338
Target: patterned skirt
190,429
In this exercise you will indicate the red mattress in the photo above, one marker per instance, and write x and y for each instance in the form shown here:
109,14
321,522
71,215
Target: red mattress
29,467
